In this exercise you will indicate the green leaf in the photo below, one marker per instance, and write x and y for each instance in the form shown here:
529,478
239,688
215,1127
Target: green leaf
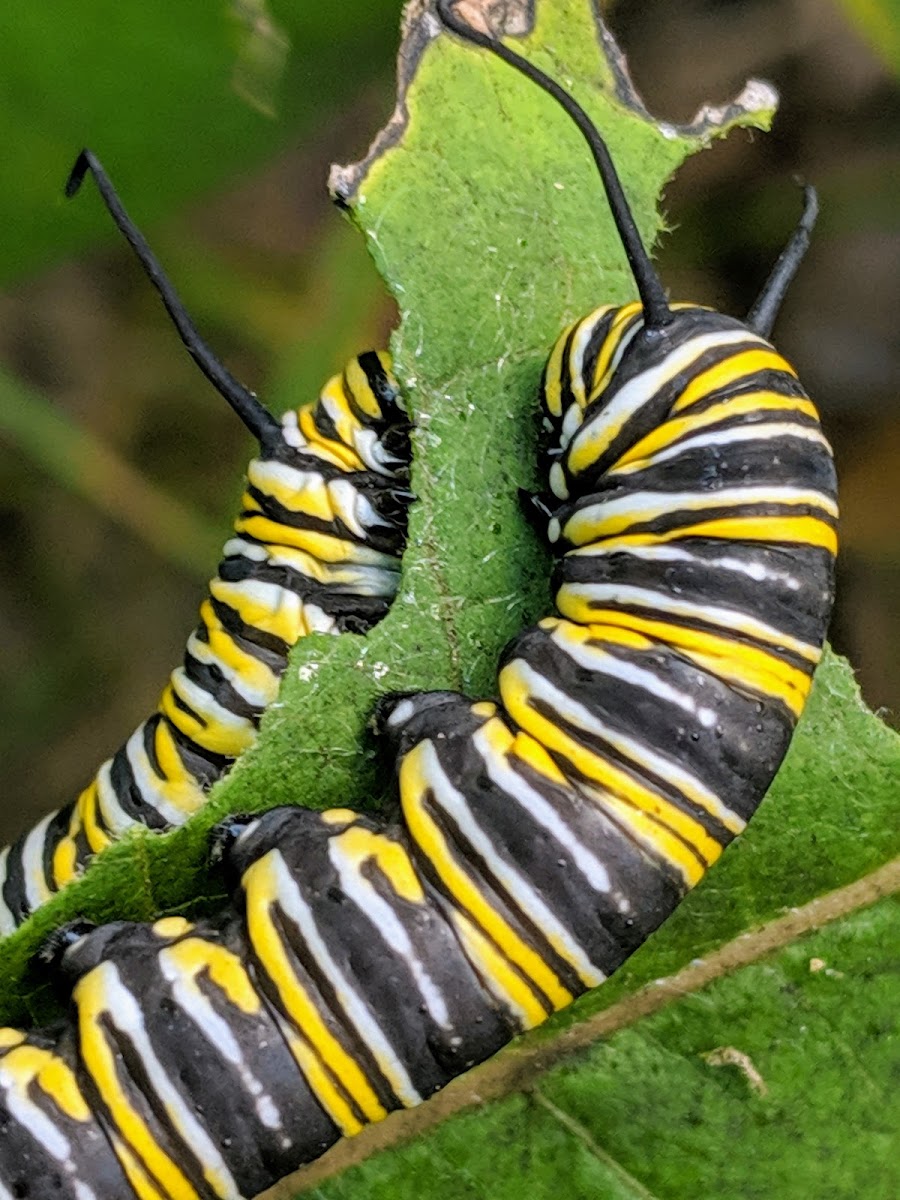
634,1111
486,221
769,1074
491,233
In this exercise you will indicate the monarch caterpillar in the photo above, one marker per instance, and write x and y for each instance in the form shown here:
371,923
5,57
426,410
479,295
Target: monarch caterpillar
316,548
544,836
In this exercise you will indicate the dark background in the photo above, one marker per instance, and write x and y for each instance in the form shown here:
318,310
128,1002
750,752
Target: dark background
120,469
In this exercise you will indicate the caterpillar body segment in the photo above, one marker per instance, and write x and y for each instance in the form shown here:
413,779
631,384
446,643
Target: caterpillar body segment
337,991
545,832
693,588
316,549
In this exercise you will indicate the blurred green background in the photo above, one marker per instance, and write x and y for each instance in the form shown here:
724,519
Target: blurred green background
120,468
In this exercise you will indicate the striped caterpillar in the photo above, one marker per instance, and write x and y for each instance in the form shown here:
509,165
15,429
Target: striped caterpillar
316,548
544,835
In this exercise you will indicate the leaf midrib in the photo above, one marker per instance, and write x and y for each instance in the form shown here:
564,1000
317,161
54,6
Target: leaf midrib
516,1067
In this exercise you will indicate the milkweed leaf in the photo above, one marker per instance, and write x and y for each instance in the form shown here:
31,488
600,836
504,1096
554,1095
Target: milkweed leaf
483,214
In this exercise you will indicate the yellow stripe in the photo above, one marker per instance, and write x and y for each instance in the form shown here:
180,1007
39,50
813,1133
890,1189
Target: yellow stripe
261,885
646,831
600,635
733,624
64,864
256,675
88,810
595,639
611,343
176,776
338,816
58,1081
735,406
463,888
362,846
135,1173
596,523
322,1086
286,621
522,746
170,927
195,956
326,546
206,731
338,453
804,531
748,666
176,785
334,403
358,385
553,374
597,438
311,499
36,1064
499,976
671,827
101,1064
730,370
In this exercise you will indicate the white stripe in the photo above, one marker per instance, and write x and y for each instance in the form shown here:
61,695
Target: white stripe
318,620
32,854
575,362
597,660
574,415
576,714
237,547
7,921
152,787
631,397
637,324
33,1119
116,820
544,814
603,663
207,708
724,437
756,569
733,619
268,475
272,599
377,576
365,442
353,508
290,431
124,1012
195,1005
269,596
259,697
647,506
369,448
521,892
355,1008
375,908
